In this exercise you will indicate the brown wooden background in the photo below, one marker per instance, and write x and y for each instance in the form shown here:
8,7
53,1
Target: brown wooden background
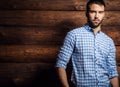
32,31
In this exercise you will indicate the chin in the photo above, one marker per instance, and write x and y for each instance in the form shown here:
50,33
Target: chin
95,26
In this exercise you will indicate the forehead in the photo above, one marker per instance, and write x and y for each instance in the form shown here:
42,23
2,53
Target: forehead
97,7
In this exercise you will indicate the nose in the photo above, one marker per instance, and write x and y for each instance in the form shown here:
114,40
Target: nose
97,15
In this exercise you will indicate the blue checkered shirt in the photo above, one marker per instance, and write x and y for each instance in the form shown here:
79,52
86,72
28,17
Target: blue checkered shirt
92,56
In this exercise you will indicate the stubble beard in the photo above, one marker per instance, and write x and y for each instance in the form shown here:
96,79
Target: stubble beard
94,24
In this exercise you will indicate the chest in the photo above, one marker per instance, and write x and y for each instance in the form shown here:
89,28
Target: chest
87,43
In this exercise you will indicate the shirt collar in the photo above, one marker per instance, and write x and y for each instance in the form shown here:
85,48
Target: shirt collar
87,27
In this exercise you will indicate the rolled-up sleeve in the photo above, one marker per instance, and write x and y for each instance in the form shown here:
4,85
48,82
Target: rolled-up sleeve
66,51
111,61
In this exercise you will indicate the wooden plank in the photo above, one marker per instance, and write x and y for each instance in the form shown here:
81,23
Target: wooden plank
113,32
52,18
8,70
27,75
118,54
50,36
118,70
53,5
28,53
31,35
33,53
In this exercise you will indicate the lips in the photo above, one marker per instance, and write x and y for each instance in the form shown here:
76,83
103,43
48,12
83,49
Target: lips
96,20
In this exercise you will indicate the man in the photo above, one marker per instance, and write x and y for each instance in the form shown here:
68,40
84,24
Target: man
91,51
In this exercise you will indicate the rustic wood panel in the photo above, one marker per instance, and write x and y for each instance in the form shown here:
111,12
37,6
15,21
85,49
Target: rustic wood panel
28,53
20,69
52,18
50,36
32,31
27,75
113,32
53,5
118,54
33,53
31,35
118,70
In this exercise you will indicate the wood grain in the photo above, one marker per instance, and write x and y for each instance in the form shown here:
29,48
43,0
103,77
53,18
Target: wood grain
33,53
113,32
53,5
28,53
28,75
32,32
52,18
50,36
118,54
31,35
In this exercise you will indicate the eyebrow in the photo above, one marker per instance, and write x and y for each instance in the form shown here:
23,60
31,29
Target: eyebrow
95,11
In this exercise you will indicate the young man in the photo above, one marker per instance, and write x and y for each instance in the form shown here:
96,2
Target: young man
91,51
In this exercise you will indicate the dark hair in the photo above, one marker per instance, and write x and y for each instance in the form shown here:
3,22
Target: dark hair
99,2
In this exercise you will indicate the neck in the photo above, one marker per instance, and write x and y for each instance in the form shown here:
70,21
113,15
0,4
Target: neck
96,29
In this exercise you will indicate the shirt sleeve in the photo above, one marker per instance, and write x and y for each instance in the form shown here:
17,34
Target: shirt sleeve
111,61
66,51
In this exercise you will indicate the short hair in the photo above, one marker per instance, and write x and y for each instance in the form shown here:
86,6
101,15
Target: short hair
99,2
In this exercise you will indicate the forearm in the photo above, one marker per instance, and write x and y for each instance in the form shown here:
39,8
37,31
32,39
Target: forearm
115,82
63,76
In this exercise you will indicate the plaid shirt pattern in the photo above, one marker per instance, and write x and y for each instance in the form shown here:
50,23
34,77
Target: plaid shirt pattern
93,57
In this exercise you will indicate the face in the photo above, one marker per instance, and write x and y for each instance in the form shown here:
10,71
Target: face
95,15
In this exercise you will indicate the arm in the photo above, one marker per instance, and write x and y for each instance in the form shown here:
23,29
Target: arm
64,57
114,81
63,77
113,73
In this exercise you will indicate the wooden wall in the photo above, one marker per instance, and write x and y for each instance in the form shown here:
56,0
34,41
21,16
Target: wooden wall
32,31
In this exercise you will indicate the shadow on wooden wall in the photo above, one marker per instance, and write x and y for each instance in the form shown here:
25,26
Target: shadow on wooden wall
24,75
31,33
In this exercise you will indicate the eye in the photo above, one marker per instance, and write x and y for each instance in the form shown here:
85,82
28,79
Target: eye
101,12
92,11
